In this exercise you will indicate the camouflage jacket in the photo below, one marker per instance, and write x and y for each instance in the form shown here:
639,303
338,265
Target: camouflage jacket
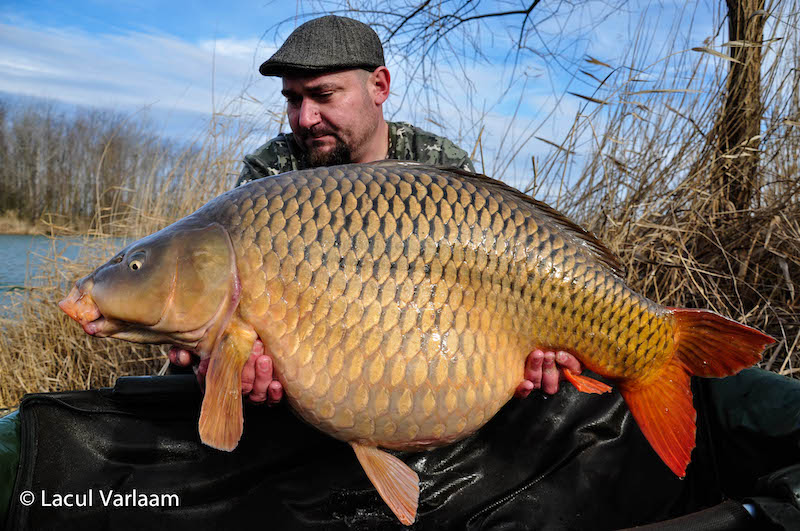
406,142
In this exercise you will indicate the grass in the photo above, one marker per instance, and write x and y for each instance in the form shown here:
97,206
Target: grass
43,350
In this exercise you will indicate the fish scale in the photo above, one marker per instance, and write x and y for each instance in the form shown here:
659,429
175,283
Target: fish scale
399,302
468,317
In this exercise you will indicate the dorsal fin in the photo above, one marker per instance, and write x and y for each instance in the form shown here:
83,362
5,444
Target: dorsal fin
595,246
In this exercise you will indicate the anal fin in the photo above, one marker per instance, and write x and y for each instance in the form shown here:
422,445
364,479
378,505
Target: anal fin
395,481
584,384
664,412
221,418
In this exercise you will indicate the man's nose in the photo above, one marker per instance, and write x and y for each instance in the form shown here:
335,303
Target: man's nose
309,114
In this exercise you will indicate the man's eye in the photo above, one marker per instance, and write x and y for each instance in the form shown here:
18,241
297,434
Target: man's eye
293,100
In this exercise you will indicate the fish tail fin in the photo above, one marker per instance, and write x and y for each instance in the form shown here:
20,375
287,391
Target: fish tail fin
713,346
706,344
221,416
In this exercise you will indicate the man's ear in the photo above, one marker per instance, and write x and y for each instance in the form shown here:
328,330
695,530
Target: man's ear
378,84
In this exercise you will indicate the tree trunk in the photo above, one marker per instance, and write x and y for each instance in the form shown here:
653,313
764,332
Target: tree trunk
736,165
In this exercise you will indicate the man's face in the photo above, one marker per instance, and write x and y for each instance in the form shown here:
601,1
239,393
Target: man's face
331,115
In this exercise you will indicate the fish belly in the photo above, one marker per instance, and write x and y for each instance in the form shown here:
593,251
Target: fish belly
407,389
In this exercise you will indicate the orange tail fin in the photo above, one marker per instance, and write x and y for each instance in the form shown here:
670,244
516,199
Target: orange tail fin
706,344
712,346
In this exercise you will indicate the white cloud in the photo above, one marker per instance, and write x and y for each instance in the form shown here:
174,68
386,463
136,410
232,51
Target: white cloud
239,49
130,70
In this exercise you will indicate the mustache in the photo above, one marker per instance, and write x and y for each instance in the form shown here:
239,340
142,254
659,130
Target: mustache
314,132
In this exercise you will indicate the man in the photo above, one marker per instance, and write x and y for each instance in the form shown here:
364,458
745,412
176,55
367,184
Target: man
335,82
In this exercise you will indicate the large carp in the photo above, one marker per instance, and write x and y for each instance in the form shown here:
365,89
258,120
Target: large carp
399,302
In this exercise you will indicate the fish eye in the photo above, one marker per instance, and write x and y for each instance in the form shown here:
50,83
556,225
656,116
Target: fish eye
136,261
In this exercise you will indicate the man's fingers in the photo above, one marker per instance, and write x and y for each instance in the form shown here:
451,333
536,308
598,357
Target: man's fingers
524,389
258,348
533,368
274,392
180,356
544,370
263,379
565,360
549,374
201,370
173,355
249,374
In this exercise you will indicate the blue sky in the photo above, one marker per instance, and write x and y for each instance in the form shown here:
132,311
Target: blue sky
173,59
166,57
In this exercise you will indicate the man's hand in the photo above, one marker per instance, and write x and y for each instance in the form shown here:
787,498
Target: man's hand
258,379
542,371
258,382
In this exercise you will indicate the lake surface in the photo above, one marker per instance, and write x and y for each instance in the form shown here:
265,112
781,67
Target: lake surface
23,258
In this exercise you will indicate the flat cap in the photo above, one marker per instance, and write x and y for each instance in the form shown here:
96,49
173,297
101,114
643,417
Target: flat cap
326,44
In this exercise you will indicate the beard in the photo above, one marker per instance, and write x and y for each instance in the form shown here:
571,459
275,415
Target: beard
340,154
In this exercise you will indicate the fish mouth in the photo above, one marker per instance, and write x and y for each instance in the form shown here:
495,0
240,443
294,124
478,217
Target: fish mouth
81,307
100,327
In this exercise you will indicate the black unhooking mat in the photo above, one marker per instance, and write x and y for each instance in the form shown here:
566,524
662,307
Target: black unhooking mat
130,456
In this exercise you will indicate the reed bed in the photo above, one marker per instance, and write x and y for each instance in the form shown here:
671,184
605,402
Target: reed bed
41,350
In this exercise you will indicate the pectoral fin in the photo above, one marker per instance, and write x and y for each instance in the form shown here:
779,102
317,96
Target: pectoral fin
221,419
397,484
584,384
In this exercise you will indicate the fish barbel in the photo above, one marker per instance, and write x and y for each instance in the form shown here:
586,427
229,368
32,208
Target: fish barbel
399,302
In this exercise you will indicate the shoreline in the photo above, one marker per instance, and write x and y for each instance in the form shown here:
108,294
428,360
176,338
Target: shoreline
12,225
4,231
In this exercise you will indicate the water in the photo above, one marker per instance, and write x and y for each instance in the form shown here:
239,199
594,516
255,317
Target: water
22,259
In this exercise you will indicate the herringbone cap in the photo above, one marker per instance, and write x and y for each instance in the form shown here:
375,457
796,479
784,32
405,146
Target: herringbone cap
326,44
